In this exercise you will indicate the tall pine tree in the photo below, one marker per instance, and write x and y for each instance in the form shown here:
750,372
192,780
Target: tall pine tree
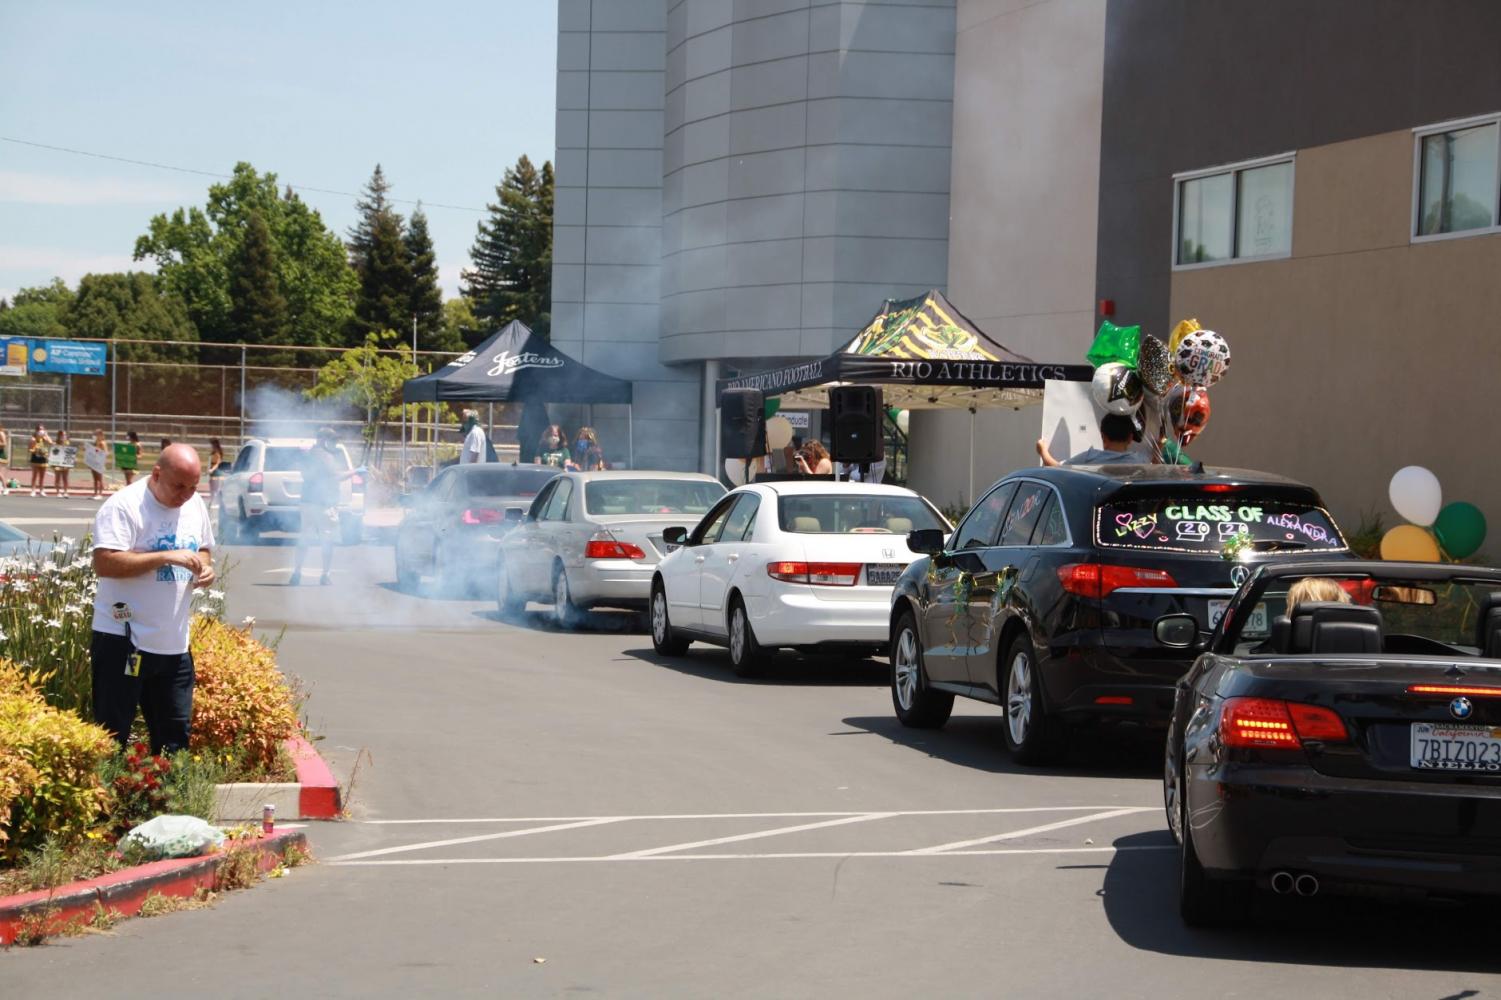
257,309
378,254
427,299
512,252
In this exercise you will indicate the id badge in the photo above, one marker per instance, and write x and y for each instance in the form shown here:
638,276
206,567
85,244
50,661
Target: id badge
133,664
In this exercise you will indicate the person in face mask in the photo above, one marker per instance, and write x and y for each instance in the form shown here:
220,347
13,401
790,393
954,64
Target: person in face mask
323,469
474,439
553,448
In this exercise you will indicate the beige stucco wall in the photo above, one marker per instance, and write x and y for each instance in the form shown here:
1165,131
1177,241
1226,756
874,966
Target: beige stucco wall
1023,212
1363,352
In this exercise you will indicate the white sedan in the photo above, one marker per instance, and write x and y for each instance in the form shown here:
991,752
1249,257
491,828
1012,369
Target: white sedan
809,565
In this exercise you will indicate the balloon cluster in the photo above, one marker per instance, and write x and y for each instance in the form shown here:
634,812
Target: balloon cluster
1456,530
1130,366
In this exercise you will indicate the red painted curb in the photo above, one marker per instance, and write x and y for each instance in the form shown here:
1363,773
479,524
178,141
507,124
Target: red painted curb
124,891
318,798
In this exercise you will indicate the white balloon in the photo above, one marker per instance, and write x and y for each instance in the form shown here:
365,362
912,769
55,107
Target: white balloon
778,433
1416,494
903,420
734,470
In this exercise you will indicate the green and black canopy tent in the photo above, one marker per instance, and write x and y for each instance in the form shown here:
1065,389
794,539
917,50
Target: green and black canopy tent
925,355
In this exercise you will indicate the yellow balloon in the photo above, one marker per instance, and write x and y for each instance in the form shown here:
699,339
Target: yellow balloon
1409,543
1183,329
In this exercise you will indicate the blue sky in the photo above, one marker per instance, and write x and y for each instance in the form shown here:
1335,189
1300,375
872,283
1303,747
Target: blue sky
443,97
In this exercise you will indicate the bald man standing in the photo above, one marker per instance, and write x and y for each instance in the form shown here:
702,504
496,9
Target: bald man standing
152,548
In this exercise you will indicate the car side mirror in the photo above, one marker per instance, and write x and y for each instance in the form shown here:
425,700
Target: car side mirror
675,535
514,515
1176,631
926,541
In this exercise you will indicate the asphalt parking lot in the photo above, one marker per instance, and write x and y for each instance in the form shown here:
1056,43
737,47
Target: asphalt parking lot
660,828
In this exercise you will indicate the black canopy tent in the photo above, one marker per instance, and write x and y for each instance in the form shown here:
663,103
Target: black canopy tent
517,365
924,354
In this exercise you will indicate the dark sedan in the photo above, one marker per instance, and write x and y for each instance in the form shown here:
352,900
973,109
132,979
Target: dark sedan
1355,749
453,526
1043,600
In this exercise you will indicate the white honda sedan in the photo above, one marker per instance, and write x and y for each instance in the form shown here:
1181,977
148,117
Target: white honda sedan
808,565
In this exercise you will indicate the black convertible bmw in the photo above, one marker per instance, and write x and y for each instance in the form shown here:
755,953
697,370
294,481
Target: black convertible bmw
1356,748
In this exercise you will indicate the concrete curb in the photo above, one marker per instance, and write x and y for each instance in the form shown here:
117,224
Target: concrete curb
314,795
124,891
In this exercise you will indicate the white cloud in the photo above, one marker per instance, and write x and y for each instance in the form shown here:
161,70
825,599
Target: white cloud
47,189
44,263
448,278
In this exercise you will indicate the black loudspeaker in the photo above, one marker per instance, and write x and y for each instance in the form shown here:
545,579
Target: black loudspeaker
742,423
855,411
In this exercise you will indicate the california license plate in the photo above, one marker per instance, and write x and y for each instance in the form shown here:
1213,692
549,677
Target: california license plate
1256,628
1440,746
883,574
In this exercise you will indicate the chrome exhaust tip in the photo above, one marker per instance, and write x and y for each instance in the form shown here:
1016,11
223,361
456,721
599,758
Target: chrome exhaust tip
1306,885
1282,883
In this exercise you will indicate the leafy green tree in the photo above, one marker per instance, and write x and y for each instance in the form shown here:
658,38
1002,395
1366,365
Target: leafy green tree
257,309
460,326
133,307
378,254
40,311
512,252
369,378
427,298
193,249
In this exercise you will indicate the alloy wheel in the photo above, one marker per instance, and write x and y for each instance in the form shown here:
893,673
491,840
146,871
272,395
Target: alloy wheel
905,669
659,617
560,599
737,634
1019,698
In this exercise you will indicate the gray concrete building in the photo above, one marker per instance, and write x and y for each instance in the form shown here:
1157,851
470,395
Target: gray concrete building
739,183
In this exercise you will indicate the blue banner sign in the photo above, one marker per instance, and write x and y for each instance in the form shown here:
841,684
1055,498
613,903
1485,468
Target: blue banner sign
70,357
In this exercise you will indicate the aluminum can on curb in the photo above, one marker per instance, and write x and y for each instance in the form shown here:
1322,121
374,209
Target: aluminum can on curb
268,819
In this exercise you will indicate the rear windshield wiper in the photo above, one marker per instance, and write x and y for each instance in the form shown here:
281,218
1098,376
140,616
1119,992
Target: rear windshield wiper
1273,545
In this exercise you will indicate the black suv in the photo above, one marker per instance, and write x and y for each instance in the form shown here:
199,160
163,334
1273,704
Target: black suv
1043,600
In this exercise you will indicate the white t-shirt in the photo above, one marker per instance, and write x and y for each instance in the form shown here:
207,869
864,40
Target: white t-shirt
474,446
160,602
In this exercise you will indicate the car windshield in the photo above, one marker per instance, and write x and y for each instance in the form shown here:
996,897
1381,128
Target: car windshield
504,482
1206,523
846,513
650,496
1412,617
288,458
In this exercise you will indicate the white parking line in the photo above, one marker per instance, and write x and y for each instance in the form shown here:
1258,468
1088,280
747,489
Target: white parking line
504,834
756,815
675,848
1045,828
1107,849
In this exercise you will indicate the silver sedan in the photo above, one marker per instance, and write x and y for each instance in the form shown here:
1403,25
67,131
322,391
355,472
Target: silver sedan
593,539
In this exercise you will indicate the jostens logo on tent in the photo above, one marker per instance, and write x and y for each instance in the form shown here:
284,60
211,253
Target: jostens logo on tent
506,362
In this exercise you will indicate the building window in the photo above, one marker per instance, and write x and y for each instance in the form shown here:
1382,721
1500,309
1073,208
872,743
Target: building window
1239,212
1457,178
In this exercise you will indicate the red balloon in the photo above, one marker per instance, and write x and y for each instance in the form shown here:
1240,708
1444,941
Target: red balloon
1188,409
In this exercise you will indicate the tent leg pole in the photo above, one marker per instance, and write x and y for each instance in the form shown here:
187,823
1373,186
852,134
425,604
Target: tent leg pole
630,434
971,498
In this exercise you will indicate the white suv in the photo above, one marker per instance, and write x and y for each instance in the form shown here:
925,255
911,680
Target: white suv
263,492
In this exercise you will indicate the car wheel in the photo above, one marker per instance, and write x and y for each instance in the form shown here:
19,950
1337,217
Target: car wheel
507,604
1032,736
746,655
565,614
407,580
1205,901
917,705
1171,796
246,530
663,639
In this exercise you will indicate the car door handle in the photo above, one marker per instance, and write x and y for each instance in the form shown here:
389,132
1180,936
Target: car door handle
731,557
698,559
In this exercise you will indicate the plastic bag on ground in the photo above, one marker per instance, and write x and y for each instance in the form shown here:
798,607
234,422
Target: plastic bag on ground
174,837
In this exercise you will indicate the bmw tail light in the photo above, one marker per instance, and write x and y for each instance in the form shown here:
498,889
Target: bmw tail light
824,574
605,546
257,483
482,515
1101,579
1269,722
1447,690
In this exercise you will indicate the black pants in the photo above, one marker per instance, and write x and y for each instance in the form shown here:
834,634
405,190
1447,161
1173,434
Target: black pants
163,691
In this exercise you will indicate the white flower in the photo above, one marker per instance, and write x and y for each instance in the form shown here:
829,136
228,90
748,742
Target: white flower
3,636
53,623
66,542
216,595
249,621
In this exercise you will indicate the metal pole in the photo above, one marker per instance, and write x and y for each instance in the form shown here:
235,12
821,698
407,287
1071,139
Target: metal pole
114,379
630,433
242,393
970,500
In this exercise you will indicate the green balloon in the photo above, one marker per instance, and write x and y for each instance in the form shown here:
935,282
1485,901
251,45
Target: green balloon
1116,343
770,407
1460,529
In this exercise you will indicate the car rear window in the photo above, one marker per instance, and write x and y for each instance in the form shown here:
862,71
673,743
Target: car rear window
845,514
506,482
1205,523
650,496
288,458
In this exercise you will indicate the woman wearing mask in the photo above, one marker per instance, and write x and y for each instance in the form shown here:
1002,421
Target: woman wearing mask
586,440
41,444
553,448
217,468
133,449
95,457
61,470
